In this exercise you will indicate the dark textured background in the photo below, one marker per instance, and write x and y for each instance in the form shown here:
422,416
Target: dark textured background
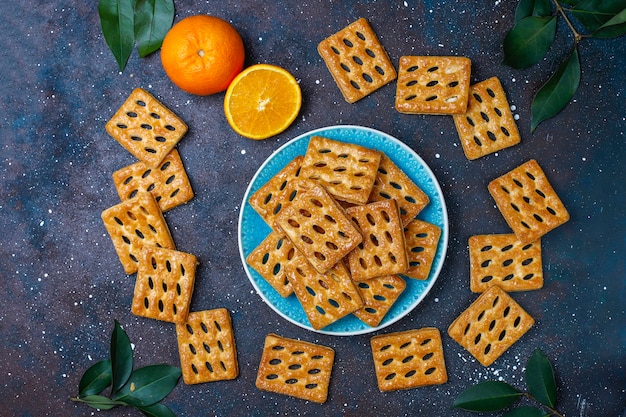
62,284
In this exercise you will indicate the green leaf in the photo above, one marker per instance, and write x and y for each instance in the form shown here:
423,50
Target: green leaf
528,41
526,8
121,358
99,402
554,95
595,13
116,19
613,28
487,396
156,410
526,411
149,385
540,379
95,379
153,19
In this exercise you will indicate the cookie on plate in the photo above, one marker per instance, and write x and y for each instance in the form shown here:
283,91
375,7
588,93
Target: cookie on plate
379,295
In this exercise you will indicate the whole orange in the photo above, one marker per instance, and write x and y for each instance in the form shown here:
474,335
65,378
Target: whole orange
202,54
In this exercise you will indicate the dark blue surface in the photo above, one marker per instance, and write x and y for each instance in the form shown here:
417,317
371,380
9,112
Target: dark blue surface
62,282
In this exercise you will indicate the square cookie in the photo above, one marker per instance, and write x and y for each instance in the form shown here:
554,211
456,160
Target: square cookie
346,170
319,228
357,61
276,193
164,284
393,184
422,239
146,128
133,224
295,368
528,202
206,345
326,297
270,258
488,125
383,250
379,295
409,359
433,84
168,182
490,325
504,261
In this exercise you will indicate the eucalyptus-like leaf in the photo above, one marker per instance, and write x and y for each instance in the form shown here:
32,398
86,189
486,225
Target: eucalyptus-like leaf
528,41
554,95
95,379
613,28
595,13
121,358
116,19
156,410
526,411
149,385
99,402
540,379
487,396
153,19
526,8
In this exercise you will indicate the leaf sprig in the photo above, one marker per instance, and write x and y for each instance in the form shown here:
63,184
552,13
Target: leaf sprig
534,32
129,22
496,395
142,388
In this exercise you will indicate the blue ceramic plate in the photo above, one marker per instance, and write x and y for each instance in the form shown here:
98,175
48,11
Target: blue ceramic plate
253,229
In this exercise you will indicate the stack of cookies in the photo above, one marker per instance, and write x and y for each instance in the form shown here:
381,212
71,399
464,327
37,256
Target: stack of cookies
344,232
166,276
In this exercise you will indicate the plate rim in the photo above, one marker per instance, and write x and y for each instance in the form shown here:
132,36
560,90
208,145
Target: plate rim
443,239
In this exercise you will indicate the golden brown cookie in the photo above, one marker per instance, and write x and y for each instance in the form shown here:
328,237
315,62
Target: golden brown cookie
326,297
490,325
168,182
433,84
379,295
409,359
319,228
270,258
528,202
357,61
164,284
504,261
488,125
421,239
146,128
383,250
295,368
133,224
276,193
393,184
206,345
347,171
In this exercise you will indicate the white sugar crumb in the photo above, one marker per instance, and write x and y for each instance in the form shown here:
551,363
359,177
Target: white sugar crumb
243,151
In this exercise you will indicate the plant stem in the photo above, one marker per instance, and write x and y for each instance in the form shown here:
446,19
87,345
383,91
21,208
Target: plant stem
559,9
553,411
